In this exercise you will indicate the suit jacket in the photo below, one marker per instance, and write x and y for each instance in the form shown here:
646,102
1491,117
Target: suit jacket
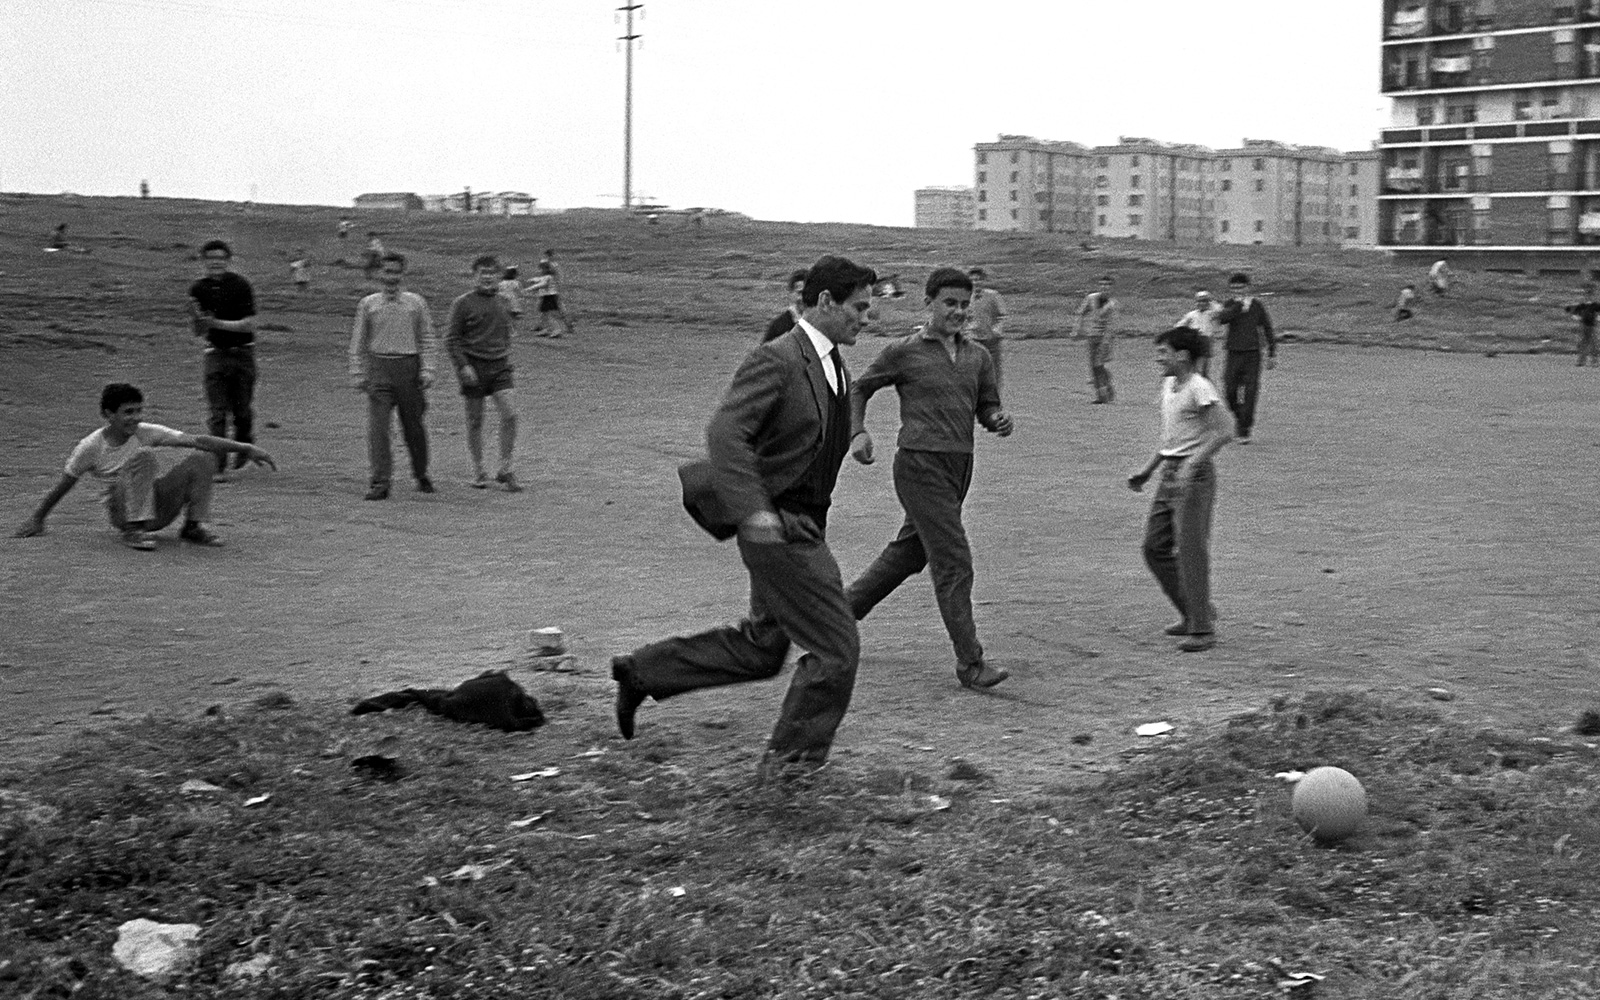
1248,328
764,435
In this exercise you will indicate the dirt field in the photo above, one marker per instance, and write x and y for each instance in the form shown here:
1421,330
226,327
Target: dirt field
1406,520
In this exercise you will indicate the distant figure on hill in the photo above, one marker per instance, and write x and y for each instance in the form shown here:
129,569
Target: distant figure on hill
1177,534
785,321
144,189
1584,311
1249,331
1403,305
1205,317
299,274
58,237
393,355
986,319
374,255
1439,276
1096,319
478,338
511,288
223,307
345,225
138,500
550,304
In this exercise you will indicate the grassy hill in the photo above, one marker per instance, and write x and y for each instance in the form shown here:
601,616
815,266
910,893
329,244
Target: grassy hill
623,272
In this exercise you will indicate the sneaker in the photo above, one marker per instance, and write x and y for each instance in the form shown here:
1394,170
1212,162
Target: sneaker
508,479
425,485
198,535
1177,628
480,481
138,538
1198,642
379,491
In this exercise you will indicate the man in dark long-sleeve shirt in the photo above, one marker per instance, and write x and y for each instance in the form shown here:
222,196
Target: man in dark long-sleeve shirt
478,339
1249,332
223,307
945,382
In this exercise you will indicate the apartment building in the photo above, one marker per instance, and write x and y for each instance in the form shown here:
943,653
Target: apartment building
1150,190
1033,185
1493,147
944,208
1139,188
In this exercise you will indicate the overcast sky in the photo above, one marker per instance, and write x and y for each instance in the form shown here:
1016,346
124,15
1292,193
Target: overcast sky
819,110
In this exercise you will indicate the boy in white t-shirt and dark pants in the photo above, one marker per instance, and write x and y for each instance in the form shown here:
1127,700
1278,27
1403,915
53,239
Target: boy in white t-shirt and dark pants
1177,536
138,501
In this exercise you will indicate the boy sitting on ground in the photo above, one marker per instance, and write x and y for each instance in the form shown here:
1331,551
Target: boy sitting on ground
138,501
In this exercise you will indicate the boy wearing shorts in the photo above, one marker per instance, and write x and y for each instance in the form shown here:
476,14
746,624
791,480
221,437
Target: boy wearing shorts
478,340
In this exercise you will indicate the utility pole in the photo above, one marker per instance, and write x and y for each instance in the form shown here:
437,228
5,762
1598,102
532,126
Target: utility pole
627,108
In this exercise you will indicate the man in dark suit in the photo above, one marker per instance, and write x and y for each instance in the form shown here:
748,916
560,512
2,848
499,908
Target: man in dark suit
775,445
1249,332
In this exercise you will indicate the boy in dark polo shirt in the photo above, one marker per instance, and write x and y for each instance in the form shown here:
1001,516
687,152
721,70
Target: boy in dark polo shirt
945,382
478,339
223,307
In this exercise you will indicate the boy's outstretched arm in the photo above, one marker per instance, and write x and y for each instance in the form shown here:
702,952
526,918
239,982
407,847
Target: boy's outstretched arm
35,524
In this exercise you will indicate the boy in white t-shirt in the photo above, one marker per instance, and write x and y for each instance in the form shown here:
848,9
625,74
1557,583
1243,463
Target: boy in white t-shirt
1177,535
138,501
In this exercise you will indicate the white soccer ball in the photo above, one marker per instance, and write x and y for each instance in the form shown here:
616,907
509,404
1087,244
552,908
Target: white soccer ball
1329,803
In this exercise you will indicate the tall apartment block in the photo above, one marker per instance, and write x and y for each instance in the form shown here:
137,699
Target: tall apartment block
1139,188
944,208
1493,147
1023,183
1152,190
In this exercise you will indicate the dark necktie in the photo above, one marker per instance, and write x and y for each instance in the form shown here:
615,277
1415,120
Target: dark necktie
838,372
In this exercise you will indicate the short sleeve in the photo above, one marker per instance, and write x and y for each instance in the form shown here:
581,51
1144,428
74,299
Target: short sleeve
83,457
1202,393
153,435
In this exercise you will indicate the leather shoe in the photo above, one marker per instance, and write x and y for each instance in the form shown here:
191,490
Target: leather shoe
980,675
1177,628
377,492
1198,642
629,697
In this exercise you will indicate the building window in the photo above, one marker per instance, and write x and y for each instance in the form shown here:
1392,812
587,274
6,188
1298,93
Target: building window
1261,227
1460,114
1261,164
1101,181
983,196
1353,169
1103,199
1135,220
1102,161
1014,156
1133,181
983,215
1325,229
1352,232
983,158
1226,165
1261,185
1560,225
1227,185
1522,108
1425,114
1133,161
1135,200
1224,225
1355,192
1013,195
983,177
1102,221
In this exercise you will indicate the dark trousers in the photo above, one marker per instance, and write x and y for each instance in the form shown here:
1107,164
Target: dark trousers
931,486
1177,543
394,382
1586,347
1241,384
1100,369
796,595
230,378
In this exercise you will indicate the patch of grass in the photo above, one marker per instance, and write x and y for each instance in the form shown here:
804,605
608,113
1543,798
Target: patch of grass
1181,875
